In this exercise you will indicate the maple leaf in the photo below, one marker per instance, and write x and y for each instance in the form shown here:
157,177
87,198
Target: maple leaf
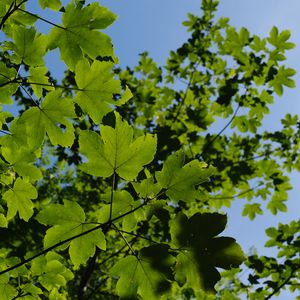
116,151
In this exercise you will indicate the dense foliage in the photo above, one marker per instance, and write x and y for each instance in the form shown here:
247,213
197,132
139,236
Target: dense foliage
113,181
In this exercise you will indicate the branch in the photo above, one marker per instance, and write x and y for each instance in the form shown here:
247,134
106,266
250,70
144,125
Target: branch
45,251
126,242
224,128
185,94
148,239
12,8
94,289
9,80
250,159
281,285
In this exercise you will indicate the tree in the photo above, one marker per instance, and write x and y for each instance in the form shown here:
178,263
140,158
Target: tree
112,180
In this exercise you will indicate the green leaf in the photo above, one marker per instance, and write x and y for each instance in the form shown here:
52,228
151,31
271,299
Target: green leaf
29,46
38,75
147,275
68,221
52,273
97,86
146,188
116,151
17,137
127,95
19,199
251,210
22,161
279,40
31,290
202,252
283,78
54,111
7,86
180,180
79,36
3,221
53,4
7,291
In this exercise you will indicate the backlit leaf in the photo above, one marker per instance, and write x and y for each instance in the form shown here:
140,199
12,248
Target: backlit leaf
146,275
116,151
51,117
53,4
19,199
79,36
7,86
180,180
97,86
69,220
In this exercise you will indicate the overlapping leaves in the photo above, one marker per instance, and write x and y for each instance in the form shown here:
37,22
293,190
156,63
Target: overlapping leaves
19,199
147,274
78,34
51,118
69,220
202,251
180,180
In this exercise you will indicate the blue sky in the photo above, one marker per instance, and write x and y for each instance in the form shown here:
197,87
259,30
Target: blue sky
155,26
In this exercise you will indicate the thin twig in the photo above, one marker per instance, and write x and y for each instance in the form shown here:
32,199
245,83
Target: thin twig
281,285
101,226
12,8
224,128
5,132
185,94
237,195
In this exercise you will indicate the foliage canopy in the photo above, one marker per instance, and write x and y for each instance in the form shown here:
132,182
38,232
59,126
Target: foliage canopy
113,181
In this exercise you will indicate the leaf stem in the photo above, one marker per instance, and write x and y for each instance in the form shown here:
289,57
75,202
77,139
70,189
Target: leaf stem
125,240
112,195
27,93
55,86
42,19
5,132
281,285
